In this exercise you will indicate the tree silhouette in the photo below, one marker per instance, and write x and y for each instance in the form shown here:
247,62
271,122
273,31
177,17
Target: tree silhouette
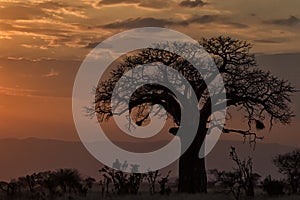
273,187
124,183
240,179
69,180
289,165
247,179
163,183
255,93
151,178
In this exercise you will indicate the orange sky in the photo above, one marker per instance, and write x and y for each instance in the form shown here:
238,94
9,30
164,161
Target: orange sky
42,44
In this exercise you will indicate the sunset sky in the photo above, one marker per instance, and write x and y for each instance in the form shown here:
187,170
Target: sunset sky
42,44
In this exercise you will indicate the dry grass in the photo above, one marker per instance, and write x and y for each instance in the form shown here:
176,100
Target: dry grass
175,196
95,195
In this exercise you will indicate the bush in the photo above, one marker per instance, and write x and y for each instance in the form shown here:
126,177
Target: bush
273,187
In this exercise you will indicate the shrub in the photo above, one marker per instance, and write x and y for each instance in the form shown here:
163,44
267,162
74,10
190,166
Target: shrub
273,187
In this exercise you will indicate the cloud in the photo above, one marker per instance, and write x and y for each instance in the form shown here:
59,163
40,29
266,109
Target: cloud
52,73
271,41
92,45
235,24
59,9
159,22
222,20
29,59
24,12
16,91
67,11
291,21
153,4
139,22
40,10
111,2
192,3
203,19
156,4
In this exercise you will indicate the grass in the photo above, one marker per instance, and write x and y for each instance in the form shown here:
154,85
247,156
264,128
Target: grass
213,194
174,196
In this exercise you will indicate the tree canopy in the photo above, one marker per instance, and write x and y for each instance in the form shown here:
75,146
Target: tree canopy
257,94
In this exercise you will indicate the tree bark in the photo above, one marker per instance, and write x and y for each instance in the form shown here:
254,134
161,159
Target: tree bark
192,173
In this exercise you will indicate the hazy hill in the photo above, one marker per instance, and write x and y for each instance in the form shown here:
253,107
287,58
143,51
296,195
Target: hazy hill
19,157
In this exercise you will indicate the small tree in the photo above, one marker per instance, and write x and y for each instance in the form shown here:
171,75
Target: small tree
241,178
124,183
289,165
245,172
231,180
163,182
151,178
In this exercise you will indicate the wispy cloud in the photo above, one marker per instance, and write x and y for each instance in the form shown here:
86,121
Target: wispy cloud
16,91
51,73
20,11
67,11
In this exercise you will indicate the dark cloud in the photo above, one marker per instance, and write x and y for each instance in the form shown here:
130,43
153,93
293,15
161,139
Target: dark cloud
271,41
91,45
156,4
111,2
235,24
205,19
139,22
192,3
291,21
155,22
51,5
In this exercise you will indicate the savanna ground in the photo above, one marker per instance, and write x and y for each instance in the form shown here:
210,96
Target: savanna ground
174,196
213,194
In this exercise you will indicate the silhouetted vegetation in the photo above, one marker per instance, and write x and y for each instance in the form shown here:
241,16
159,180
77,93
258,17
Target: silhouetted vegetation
164,187
129,183
151,178
124,183
69,184
258,94
289,165
48,185
273,187
241,178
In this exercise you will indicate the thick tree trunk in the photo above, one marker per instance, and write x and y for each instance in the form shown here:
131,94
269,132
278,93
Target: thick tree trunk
192,173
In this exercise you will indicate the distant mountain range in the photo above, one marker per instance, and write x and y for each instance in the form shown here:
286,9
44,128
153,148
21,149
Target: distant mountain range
19,157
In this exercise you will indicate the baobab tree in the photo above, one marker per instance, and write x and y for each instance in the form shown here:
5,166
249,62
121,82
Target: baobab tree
258,95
